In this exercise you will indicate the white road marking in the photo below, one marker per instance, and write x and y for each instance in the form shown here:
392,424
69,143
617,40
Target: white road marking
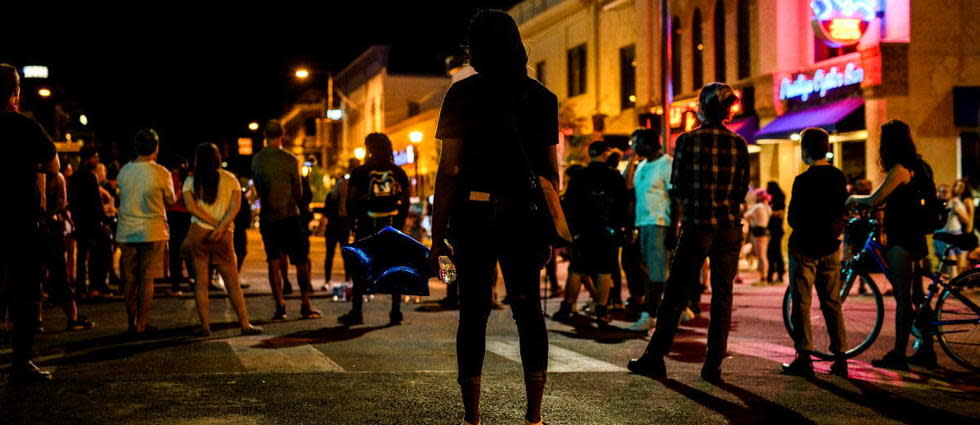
560,360
260,358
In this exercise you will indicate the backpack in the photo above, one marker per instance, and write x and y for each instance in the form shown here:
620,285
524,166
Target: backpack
929,212
384,194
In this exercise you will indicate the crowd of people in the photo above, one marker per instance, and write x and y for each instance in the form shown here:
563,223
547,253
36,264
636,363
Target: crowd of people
675,225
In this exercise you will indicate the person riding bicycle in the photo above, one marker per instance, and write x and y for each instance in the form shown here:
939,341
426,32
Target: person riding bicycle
908,179
815,214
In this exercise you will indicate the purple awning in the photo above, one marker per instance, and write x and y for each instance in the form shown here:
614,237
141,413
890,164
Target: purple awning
824,116
745,127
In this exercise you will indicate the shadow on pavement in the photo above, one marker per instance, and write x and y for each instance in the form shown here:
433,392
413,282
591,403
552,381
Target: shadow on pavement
890,405
757,410
585,328
319,336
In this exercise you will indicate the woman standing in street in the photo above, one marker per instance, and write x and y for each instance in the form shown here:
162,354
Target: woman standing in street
777,202
213,197
906,174
496,127
758,217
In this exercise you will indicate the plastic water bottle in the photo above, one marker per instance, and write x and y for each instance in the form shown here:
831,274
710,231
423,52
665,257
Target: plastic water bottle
447,270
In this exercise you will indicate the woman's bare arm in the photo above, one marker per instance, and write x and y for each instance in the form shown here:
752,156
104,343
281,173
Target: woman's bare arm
191,203
896,177
446,181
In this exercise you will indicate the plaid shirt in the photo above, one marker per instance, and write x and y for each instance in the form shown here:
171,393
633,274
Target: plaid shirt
711,176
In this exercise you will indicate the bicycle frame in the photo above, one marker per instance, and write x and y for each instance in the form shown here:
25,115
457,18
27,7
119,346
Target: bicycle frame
874,249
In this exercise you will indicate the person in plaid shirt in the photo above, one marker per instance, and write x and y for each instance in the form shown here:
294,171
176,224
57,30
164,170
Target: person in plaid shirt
710,178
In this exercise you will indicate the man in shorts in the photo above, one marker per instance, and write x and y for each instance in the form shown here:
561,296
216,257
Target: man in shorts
275,173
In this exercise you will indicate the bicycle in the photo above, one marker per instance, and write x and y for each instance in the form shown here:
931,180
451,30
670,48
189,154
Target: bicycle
956,318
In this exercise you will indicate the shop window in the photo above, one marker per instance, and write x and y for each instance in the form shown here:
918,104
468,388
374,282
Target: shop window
719,36
627,77
852,160
675,52
576,70
821,51
697,51
970,158
539,72
744,42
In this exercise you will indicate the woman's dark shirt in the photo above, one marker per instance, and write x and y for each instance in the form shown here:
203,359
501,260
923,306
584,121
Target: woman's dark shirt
901,225
27,147
816,210
483,112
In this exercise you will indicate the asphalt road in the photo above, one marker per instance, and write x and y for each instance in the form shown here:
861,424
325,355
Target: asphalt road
315,371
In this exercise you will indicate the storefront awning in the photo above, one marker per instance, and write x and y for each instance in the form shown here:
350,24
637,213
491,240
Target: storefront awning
831,117
745,126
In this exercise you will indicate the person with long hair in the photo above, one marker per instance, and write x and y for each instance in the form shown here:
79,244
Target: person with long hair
496,127
961,190
906,174
213,197
777,203
377,196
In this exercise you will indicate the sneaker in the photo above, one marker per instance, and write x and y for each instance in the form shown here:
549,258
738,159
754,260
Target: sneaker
564,313
839,367
280,313
395,318
174,293
644,323
308,312
651,367
351,319
710,374
801,366
252,330
80,324
925,357
687,315
892,361
28,374
760,282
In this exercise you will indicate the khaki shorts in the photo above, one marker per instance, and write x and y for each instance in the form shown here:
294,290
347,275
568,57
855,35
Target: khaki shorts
142,262
198,248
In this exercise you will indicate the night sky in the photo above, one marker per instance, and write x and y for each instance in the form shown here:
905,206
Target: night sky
201,73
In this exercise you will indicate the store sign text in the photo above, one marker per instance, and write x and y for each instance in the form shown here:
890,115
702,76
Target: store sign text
820,83
842,22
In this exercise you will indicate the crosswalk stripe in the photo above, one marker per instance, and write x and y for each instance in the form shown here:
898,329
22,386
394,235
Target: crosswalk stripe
256,356
560,360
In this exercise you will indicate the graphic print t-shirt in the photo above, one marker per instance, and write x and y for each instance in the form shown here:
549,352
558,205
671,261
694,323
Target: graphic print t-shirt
381,189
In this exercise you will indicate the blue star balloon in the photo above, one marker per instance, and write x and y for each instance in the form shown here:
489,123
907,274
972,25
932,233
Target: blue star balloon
391,262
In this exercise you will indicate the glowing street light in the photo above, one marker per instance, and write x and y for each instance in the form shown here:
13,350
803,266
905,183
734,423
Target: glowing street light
253,126
415,136
44,93
359,153
302,73
83,119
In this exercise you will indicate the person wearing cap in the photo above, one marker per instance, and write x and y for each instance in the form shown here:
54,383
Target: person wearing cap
710,177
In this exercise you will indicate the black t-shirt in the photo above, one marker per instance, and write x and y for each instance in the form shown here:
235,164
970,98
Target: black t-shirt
596,200
378,190
490,116
816,210
27,146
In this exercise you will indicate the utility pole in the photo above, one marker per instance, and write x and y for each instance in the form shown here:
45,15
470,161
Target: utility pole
666,83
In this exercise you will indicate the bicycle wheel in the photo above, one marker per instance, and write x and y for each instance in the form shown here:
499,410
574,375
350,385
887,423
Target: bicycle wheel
863,316
957,320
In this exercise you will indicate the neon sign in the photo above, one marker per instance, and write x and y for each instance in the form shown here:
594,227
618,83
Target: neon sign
842,22
821,82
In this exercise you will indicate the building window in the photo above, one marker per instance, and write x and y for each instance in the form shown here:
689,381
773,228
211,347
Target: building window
720,41
413,108
576,70
970,157
627,77
697,51
539,71
744,42
675,57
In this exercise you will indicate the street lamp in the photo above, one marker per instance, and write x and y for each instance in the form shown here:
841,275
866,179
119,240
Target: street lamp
83,119
44,93
253,126
359,153
302,73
